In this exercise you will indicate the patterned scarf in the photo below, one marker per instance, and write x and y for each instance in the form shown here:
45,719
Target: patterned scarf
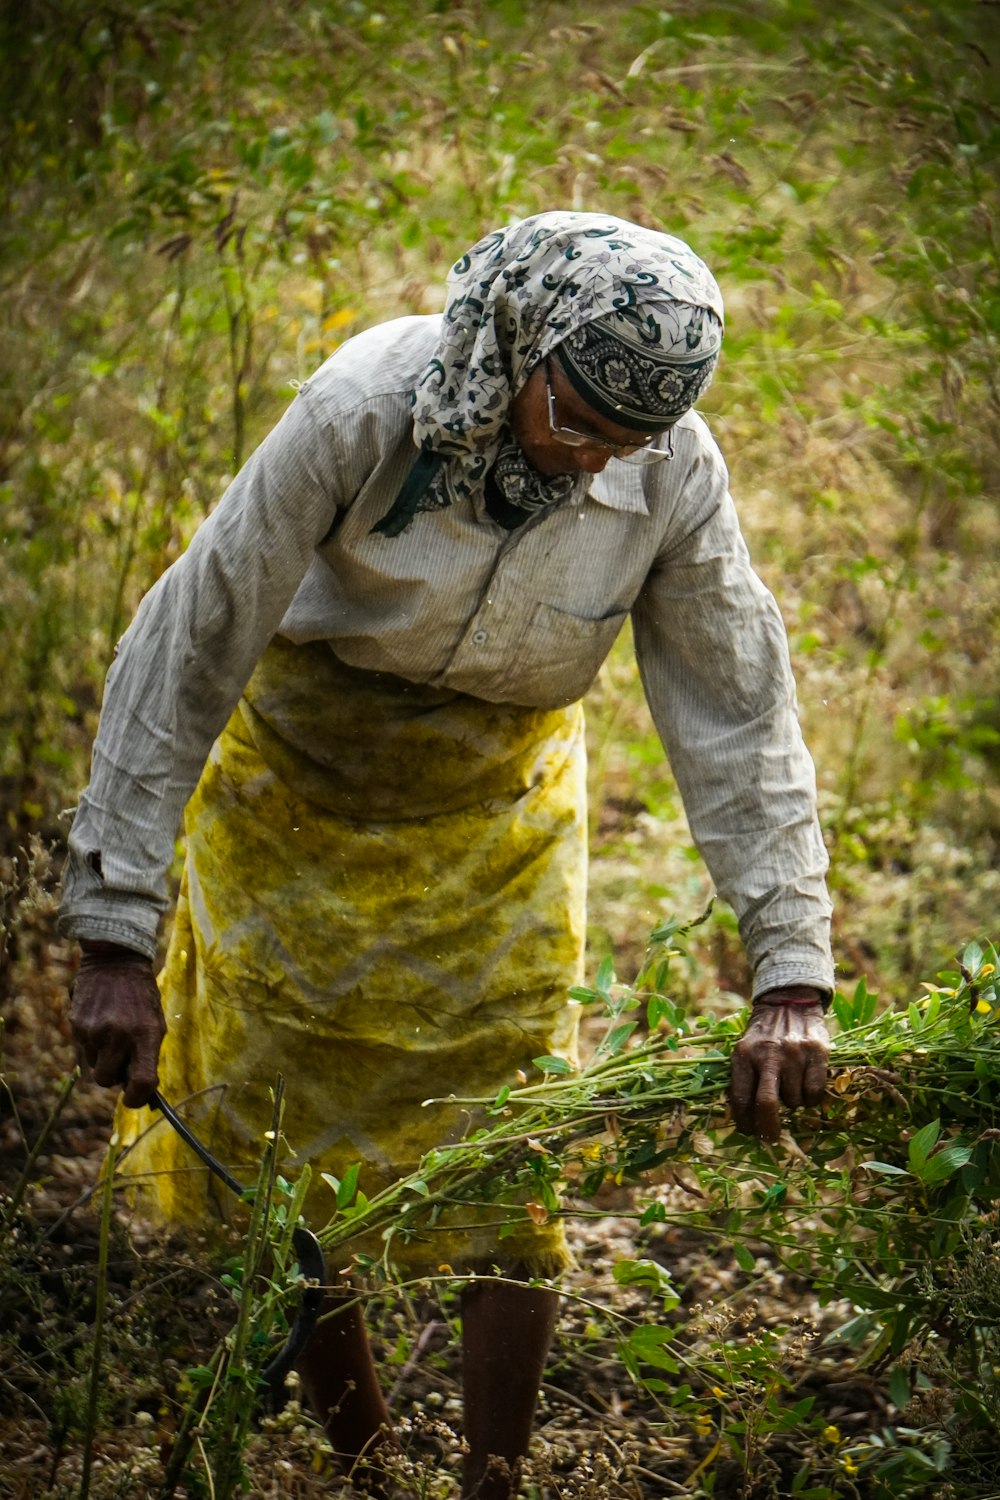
513,299
644,367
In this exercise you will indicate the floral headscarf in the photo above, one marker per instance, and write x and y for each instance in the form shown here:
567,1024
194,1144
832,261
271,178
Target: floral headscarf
512,300
645,366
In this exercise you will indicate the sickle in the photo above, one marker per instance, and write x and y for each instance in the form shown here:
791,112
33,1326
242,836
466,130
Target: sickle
307,1250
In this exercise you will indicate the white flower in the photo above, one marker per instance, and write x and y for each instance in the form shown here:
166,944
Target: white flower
617,375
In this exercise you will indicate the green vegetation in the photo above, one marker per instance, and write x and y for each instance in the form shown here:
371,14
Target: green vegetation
199,202
888,1201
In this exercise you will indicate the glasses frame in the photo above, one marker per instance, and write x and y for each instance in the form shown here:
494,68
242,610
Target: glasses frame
636,453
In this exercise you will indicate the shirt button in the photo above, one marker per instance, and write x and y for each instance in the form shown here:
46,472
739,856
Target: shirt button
480,637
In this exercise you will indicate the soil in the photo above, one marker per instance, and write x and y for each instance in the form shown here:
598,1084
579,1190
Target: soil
599,1434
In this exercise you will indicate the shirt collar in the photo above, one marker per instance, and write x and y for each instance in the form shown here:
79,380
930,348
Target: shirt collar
619,487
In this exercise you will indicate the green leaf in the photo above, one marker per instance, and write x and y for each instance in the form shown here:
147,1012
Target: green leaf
854,1331
592,1182
922,1144
605,977
899,1386
944,1163
357,1208
648,1273
616,1038
886,1168
348,1185
659,1008
584,995
745,1258
552,1065
866,1003
667,931
856,1010
647,1344
972,958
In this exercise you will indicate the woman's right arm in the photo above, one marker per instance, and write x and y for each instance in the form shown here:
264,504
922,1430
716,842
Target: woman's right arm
179,671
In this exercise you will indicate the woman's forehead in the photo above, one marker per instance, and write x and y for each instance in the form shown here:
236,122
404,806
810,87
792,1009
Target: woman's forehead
574,411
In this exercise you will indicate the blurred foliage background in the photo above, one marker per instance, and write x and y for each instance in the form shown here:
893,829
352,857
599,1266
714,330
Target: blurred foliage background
200,201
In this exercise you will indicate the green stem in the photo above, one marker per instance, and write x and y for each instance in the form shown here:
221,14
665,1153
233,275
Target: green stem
238,1378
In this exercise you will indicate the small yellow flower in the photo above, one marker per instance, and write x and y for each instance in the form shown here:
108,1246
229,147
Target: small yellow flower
983,1007
831,1434
850,1467
339,319
987,969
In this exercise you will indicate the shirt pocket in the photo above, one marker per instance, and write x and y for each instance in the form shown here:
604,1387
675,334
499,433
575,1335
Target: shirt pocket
562,654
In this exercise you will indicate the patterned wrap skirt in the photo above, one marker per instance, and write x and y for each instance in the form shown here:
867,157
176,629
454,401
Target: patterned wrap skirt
383,900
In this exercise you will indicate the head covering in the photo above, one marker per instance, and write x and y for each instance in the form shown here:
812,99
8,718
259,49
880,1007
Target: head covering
523,292
645,366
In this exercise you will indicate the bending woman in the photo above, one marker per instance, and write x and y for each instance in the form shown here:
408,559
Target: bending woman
361,687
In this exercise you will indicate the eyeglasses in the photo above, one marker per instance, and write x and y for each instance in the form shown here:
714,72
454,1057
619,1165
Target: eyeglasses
639,453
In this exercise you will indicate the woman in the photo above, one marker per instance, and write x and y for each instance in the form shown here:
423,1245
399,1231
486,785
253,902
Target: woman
363,679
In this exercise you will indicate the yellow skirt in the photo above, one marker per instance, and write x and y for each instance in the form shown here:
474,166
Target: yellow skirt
383,900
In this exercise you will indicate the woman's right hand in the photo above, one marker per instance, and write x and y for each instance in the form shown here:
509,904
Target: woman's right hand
117,1019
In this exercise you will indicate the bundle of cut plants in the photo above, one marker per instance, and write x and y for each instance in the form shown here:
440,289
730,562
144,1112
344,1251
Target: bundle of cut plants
903,1153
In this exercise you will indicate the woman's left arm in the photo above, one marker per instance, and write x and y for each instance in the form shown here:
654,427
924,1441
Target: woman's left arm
713,654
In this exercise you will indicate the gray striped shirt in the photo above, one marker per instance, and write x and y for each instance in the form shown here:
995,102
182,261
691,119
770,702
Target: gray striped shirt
521,617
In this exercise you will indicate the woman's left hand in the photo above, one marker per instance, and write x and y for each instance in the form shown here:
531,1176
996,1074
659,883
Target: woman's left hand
780,1059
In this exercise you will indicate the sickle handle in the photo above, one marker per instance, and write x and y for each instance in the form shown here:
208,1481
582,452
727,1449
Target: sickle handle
307,1250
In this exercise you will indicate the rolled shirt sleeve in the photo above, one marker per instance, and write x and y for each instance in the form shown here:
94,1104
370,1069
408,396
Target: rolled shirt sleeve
179,671
713,655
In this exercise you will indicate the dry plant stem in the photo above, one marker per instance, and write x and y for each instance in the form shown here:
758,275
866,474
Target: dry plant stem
131,547
236,1400
852,770
256,1235
100,1303
423,1342
14,1202
187,1432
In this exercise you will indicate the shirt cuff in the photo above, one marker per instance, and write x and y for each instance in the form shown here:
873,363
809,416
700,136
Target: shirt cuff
131,924
779,975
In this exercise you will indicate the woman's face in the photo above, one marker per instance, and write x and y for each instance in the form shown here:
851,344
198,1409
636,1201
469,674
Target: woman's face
532,428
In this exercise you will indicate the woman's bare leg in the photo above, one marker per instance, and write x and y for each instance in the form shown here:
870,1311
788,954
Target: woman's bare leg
506,1334
341,1383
